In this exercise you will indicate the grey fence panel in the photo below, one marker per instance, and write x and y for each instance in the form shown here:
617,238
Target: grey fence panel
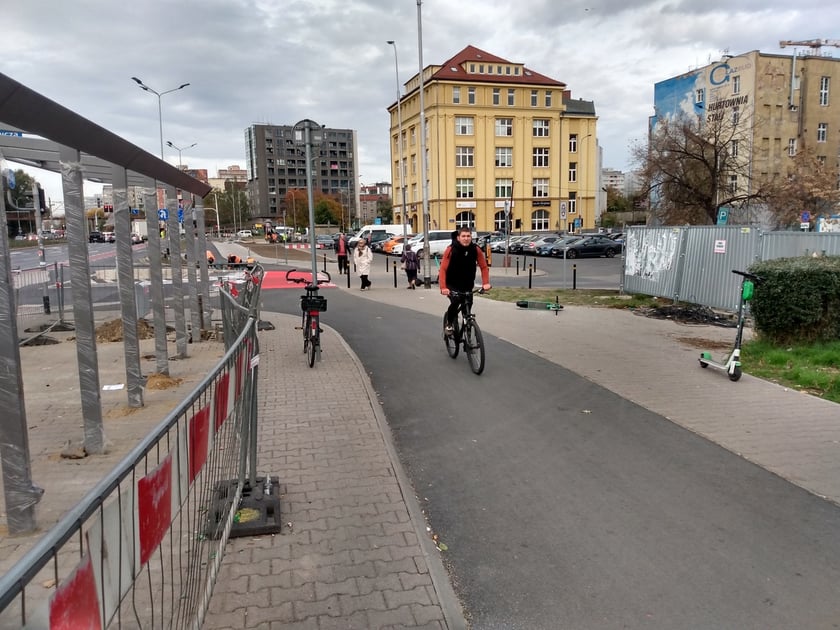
652,260
712,252
793,244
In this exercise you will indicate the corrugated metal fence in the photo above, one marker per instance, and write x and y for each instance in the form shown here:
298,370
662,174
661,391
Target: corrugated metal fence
694,263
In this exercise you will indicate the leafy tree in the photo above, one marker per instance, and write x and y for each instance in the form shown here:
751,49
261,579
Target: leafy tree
385,210
617,201
688,164
325,211
297,208
807,184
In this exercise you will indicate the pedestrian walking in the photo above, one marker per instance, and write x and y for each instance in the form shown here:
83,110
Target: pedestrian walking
363,257
411,264
341,253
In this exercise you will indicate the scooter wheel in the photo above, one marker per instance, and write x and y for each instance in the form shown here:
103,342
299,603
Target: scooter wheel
736,374
703,364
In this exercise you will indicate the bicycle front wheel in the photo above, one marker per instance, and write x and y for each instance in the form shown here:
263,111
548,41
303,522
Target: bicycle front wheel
474,346
451,342
313,341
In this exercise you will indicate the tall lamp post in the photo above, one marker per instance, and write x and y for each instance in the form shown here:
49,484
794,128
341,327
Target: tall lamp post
310,134
400,140
145,87
427,263
218,226
179,149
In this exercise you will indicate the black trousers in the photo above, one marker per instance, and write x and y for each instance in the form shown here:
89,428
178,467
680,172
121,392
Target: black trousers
342,264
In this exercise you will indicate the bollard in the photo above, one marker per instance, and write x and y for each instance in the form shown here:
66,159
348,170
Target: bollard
395,276
530,276
535,262
348,275
517,265
325,263
574,277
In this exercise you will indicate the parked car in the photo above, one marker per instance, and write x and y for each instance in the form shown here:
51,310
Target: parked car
517,243
95,236
594,245
136,239
531,247
377,239
109,237
324,241
388,246
556,248
244,234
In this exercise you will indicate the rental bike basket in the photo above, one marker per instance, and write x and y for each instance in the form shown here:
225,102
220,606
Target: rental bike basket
313,303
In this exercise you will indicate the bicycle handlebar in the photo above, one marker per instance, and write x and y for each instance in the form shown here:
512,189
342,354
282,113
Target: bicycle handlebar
479,290
748,275
308,281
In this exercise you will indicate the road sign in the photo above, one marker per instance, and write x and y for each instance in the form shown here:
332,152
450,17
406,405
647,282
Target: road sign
562,209
163,214
806,216
180,215
723,216
135,210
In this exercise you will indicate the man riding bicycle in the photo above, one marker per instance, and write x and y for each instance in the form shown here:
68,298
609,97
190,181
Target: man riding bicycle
457,271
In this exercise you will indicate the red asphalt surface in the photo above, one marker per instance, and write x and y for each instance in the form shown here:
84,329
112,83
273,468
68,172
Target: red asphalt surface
277,280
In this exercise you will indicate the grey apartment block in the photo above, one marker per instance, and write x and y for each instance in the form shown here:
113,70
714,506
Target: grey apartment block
277,165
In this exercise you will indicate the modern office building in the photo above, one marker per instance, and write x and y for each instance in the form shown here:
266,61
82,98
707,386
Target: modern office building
276,164
498,135
779,105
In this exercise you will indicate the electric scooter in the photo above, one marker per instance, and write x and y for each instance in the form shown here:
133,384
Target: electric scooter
733,364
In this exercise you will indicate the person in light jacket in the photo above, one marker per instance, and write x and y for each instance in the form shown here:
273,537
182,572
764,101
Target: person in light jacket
363,257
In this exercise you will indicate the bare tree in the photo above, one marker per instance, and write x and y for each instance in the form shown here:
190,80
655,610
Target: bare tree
808,184
691,167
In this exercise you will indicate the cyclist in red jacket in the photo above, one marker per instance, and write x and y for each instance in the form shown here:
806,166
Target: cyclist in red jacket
458,269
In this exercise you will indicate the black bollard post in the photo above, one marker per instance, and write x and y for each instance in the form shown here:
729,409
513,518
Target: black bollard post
517,265
395,276
574,277
348,275
535,261
325,263
530,276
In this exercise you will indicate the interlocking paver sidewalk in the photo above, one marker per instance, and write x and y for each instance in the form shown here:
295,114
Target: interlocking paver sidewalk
353,552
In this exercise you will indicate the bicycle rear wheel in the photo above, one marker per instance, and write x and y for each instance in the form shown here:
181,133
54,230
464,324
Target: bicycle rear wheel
474,346
313,341
452,347
306,325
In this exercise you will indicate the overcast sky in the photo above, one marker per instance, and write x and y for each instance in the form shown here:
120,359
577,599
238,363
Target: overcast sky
280,61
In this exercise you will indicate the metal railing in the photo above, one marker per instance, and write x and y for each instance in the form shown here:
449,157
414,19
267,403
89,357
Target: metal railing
143,547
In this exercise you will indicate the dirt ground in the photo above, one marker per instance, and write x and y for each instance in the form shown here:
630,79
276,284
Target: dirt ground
113,330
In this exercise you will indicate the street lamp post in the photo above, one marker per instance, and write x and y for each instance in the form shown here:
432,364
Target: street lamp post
218,226
427,263
309,133
179,149
145,87
400,140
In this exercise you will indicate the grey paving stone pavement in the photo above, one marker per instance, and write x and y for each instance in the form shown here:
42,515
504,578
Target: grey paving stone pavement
354,551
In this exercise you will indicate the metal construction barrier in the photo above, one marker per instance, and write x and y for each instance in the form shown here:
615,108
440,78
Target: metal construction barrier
39,297
694,263
143,547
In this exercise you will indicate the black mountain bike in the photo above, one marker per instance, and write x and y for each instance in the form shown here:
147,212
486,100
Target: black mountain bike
465,332
311,306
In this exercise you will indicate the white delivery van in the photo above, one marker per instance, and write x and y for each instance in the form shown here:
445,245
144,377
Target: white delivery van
367,231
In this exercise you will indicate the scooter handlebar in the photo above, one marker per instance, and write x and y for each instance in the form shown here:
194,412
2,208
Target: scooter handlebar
749,276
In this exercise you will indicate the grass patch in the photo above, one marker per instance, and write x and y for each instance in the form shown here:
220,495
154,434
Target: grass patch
807,368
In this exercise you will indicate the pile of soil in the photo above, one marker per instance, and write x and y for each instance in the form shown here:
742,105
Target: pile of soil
162,381
690,314
113,330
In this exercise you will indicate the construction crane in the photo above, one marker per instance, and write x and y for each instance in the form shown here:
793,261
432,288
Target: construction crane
811,43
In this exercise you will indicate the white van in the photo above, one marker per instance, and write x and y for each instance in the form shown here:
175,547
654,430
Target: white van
385,228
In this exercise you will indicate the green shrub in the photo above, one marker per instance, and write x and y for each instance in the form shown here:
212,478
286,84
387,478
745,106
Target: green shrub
799,300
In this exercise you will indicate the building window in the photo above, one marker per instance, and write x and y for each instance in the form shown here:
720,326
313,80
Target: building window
463,125
539,220
825,83
414,135
736,85
736,116
572,172
572,208
548,98
504,188
414,196
464,187
497,96
535,95
504,126
540,187
822,132
540,128
499,223
504,157
464,219
573,142
511,97
540,157
700,96
464,156
792,147
414,164
733,184
733,148
471,96
456,95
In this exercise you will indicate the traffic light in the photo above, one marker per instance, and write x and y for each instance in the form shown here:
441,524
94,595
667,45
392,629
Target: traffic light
42,201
